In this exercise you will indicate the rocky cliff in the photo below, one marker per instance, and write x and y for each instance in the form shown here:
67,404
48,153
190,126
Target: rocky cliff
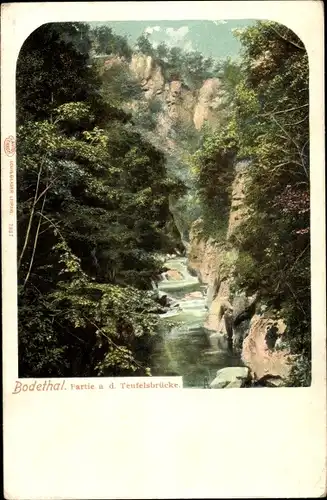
175,106
180,114
237,321
180,103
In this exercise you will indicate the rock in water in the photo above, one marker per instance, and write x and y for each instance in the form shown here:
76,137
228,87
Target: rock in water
173,275
231,377
163,299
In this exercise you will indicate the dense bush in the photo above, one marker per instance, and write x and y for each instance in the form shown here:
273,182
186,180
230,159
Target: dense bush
93,210
267,122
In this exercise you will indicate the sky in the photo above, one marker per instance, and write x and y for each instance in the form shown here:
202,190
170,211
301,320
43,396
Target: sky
211,38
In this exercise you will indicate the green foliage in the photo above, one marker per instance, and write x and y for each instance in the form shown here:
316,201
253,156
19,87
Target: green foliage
118,84
52,68
115,316
105,41
144,118
275,93
186,135
93,211
213,165
301,372
144,45
267,123
191,67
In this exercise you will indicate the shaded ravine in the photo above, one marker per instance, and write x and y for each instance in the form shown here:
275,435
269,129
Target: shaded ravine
183,346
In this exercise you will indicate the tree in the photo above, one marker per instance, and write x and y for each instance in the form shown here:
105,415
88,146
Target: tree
105,41
162,51
268,124
144,45
118,85
274,131
197,67
92,213
51,71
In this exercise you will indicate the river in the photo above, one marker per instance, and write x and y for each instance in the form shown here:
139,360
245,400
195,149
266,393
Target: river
183,347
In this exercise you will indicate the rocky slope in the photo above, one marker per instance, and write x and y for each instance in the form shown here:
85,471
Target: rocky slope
237,321
179,103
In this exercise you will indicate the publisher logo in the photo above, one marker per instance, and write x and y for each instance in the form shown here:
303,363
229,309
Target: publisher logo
10,145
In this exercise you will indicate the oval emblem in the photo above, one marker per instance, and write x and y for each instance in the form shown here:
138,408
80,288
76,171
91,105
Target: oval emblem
9,145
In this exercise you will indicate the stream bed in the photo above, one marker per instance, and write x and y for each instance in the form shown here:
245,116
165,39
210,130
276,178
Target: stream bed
183,347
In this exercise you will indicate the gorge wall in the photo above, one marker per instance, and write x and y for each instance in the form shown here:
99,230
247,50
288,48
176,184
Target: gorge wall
181,114
234,320
180,103
176,102
172,115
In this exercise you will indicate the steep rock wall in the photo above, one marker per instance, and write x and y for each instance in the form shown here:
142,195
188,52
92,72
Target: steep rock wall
212,261
207,102
148,74
180,103
233,321
262,352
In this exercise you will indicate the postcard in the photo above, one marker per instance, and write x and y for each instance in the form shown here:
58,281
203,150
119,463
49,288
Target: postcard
163,240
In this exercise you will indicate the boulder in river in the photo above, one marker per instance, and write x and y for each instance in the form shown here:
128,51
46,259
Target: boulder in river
218,340
173,275
164,300
231,377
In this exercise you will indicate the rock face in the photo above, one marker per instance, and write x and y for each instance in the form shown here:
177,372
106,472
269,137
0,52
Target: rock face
148,74
217,309
232,377
213,263
180,104
207,103
232,321
203,258
268,364
173,275
238,208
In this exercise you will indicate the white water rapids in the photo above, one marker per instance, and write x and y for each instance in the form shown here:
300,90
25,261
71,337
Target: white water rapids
184,347
188,301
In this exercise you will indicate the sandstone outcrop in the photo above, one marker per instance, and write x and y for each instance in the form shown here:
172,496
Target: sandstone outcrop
180,104
207,102
148,74
213,263
269,364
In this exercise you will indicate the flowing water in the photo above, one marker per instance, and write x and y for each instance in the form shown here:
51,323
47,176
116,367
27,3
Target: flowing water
184,346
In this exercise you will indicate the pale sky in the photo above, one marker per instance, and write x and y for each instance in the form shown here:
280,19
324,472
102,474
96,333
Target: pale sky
212,38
